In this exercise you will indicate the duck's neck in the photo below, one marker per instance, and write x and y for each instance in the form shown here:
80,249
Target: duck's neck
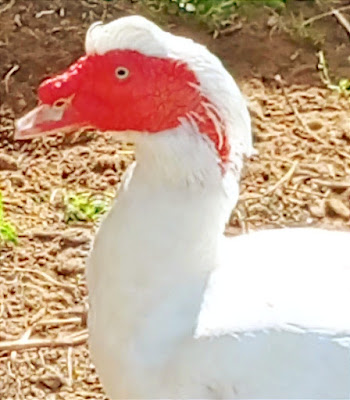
160,241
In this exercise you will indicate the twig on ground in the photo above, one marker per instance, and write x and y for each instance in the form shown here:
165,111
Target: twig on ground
231,29
23,339
285,178
76,236
77,312
44,12
9,370
250,196
20,345
8,75
78,334
43,275
7,6
332,184
326,14
58,321
81,313
70,366
309,193
342,20
43,235
36,318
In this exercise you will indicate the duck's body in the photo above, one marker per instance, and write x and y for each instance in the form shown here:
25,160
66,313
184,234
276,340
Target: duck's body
177,310
274,320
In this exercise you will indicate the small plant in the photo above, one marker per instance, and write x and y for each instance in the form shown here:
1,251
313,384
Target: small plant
216,14
343,85
85,206
8,232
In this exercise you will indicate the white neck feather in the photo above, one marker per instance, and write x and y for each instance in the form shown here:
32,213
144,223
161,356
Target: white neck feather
160,242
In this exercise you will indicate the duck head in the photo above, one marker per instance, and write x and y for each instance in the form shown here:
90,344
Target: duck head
135,77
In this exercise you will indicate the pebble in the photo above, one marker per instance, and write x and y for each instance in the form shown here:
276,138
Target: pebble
74,238
336,207
315,125
7,163
18,180
70,267
318,210
52,382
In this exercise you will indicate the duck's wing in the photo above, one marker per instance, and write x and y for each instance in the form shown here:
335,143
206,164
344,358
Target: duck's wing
294,280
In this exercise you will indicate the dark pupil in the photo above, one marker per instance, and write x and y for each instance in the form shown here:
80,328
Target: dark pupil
121,72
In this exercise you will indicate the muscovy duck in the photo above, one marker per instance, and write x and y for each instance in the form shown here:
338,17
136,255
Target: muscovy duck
177,310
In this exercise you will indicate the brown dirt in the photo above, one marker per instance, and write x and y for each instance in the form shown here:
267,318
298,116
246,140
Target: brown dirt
300,177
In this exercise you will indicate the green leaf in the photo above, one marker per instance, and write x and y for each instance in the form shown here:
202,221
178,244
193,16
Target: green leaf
85,206
8,232
344,85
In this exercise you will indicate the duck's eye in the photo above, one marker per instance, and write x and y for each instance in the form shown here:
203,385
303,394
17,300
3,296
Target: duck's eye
121,73
60,103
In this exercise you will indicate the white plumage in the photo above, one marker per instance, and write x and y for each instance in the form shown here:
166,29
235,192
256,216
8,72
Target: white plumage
180,311
177,310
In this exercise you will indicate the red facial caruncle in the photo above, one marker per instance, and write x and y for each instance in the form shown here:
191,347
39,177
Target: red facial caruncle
123,90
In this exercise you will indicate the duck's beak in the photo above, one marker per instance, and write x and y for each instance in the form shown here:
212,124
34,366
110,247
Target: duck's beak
45,120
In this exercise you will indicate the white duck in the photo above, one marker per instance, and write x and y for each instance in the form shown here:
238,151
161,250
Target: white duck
176,309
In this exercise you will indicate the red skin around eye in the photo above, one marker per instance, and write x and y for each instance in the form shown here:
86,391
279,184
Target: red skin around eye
155,95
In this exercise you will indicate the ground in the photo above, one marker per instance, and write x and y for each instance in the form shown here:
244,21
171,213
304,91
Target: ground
300,175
